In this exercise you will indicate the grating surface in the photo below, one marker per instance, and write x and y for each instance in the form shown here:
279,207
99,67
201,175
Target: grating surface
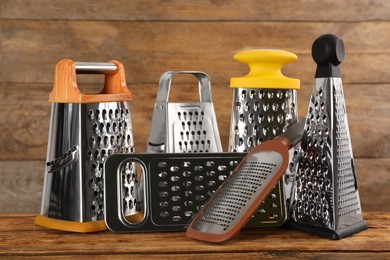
181,187
259,115
314,183
238,194
347,200
109,132
325,182
193,131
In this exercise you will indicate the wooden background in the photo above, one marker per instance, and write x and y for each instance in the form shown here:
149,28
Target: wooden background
151,37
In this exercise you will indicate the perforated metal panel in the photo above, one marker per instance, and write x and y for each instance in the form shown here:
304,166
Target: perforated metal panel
235,197
260,115
192,129
177,186
108,132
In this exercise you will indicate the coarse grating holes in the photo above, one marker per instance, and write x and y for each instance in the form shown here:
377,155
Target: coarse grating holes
187,185
317,184
110,127
194,131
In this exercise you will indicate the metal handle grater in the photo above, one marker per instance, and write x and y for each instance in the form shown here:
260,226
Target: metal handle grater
264,105
176,187
326,199
184,127
84,130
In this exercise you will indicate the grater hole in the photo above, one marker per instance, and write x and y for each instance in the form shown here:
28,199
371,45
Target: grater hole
243,94
251,118
247,106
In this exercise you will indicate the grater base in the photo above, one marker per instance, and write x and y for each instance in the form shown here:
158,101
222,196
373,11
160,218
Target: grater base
328,233
72,226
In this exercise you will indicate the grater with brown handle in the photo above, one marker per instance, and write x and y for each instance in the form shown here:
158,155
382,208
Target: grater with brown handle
85,129
235,201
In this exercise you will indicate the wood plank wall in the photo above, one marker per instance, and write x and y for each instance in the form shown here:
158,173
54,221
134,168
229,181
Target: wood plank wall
151,37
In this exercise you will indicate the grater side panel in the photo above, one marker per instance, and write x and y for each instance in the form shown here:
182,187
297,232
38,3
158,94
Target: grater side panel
348,203
193,128
260,115
314,195
108,130
62,183
181,186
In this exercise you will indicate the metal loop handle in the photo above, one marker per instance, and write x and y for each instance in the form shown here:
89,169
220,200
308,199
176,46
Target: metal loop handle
95,67
165,85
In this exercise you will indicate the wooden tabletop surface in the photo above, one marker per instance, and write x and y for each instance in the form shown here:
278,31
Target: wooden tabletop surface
19,237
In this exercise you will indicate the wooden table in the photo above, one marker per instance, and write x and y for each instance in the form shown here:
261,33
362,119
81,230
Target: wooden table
19,237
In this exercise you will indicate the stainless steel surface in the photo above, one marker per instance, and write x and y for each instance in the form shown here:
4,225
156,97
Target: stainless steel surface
326,194
238,193
184,127
260,115
95,67
81,137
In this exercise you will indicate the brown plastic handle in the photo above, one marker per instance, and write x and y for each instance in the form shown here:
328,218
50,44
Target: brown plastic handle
65,89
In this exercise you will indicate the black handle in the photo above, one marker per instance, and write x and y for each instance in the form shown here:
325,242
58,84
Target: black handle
328,53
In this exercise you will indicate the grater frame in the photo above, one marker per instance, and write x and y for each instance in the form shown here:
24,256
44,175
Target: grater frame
184,127
326,199
175,187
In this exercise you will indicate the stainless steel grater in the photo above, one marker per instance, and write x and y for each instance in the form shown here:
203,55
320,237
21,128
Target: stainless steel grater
176,187
326,198
184,127
264,105
232,205
84,130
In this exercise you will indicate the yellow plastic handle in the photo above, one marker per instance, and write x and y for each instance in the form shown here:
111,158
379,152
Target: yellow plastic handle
265,69
65,89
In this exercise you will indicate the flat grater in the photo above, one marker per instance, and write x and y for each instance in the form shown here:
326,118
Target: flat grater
176,185
326,198
184,127
264,105
237,199
84,130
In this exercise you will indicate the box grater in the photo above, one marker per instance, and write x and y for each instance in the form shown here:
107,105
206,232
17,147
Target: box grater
84,130
184,127
264,105
326,198
176,187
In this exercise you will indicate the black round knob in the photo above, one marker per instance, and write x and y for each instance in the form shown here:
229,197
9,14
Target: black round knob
328,48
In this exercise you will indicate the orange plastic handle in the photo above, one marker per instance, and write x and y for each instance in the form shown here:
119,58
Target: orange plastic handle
65,89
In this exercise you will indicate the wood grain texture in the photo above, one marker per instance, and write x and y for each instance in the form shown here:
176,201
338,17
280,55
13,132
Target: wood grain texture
147,49
25,115
20,237
210,10
21,184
